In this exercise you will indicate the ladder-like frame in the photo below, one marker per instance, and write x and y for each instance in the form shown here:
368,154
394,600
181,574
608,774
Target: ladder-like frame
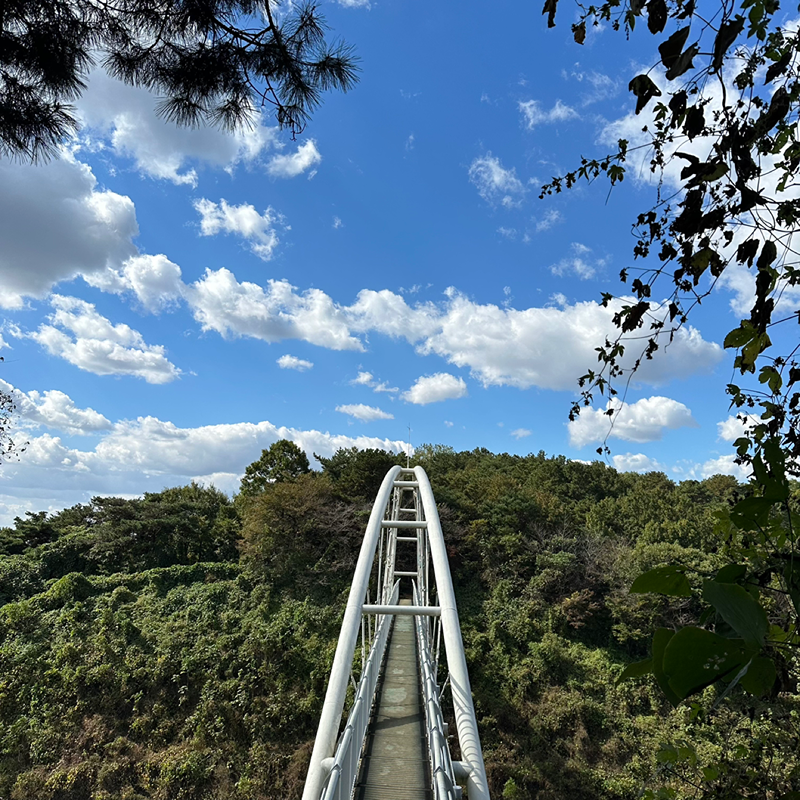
333,769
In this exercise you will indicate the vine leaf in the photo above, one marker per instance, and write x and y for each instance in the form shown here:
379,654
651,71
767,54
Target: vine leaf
738,608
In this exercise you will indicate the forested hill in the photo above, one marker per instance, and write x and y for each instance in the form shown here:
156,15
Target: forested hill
177,646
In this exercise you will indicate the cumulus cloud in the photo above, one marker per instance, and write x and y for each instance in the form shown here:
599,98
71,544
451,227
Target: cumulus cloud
124,118
293,164
154,280
435,388
55,224
80,335
293,362
548,347
521,433
579,263
495,183
259,230
363,412
222,304
732,428
636,462
56,410
148,454
538,346
533,114
642,421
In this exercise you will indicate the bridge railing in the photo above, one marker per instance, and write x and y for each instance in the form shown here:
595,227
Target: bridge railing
344,766
443,777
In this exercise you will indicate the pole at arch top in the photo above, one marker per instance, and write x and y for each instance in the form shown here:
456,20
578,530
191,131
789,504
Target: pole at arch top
466,723
342,661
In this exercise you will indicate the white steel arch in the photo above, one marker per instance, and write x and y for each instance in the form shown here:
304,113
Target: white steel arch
334,766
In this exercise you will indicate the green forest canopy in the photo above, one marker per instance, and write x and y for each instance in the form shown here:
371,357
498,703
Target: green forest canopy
178,645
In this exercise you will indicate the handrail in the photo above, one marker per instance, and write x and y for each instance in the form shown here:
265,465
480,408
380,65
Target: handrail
466,723
443,777
344,769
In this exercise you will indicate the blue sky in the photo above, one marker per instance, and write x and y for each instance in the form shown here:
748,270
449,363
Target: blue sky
174,301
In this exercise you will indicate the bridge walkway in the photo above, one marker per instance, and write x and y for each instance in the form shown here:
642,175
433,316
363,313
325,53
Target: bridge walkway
396,764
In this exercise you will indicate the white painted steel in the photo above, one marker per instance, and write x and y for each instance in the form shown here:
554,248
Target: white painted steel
404,611
334,778
343,659
466,723
343,767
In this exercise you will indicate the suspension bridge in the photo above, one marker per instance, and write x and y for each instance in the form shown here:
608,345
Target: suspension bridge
394,744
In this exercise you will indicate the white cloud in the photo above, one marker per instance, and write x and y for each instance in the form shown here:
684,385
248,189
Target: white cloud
243,220
155,281
550,347
354,3
546,346
85,338
55,224
222,304
636,462
367,379
435,388
293,362
56,410
642,421
337,223
724,465
496,184
533,114
363,412
294,164
125,117
551,217
732,428
521,433
578,264
148,454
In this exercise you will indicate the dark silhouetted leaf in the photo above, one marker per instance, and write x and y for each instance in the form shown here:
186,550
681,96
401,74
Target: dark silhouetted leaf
644,89
656,16
726,36
550,10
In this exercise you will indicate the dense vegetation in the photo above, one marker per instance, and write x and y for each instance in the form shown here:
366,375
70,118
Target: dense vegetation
177,646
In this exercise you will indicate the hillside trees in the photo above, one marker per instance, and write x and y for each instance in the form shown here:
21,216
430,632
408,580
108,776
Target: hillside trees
212,62
281,461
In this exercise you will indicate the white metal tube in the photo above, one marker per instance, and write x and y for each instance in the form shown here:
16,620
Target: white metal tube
404,611
466,723
337,685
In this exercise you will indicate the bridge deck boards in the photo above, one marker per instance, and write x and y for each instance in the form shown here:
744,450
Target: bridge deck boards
395,763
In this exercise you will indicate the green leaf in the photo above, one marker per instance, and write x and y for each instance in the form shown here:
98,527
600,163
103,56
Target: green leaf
695,658
636,670
656,16
661,639
760,676
670,580
751,513
739,337
738,608
730,573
